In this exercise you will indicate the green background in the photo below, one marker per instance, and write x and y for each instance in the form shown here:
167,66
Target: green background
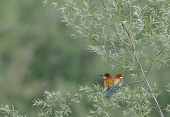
37,53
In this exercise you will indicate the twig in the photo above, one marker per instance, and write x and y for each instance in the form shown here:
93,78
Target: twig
103,3
113,27
140,66
132,83
128,33
141,69
153,59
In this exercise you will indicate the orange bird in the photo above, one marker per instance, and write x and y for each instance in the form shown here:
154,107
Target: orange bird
110,83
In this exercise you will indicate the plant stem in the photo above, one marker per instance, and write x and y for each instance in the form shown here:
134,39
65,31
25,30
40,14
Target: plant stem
145,80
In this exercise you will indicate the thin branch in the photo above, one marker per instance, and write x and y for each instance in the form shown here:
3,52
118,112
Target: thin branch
149,87
146,81
140,66
141,69
103,3
128,33
132,83
134,51
162,62
113,27
153,59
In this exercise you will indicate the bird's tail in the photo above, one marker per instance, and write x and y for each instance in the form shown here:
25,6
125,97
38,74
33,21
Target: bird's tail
108,92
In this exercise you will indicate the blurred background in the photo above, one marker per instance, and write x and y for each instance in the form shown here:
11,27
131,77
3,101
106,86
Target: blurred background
38,54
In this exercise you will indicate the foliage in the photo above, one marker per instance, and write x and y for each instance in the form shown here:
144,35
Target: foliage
9,110
121,31
56,99
38,54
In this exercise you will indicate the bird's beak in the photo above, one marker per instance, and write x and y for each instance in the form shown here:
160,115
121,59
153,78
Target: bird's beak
104,77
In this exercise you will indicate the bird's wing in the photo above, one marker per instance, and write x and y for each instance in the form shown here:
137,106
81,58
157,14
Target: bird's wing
107,89
113,85
117,81
111,89
108,83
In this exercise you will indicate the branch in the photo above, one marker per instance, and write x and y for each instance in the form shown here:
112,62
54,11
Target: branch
141,69
153,59
114,28
128,33
146,81
140,66
132,83
103,4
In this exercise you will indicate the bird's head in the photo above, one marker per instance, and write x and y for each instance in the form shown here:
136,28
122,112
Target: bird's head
106,75
119,76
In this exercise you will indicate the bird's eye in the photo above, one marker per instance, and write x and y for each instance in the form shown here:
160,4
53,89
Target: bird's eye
106,75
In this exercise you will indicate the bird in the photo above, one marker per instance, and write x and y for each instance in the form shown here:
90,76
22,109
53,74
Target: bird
110,83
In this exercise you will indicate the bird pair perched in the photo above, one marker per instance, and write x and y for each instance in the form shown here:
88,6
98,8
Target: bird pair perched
110,83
